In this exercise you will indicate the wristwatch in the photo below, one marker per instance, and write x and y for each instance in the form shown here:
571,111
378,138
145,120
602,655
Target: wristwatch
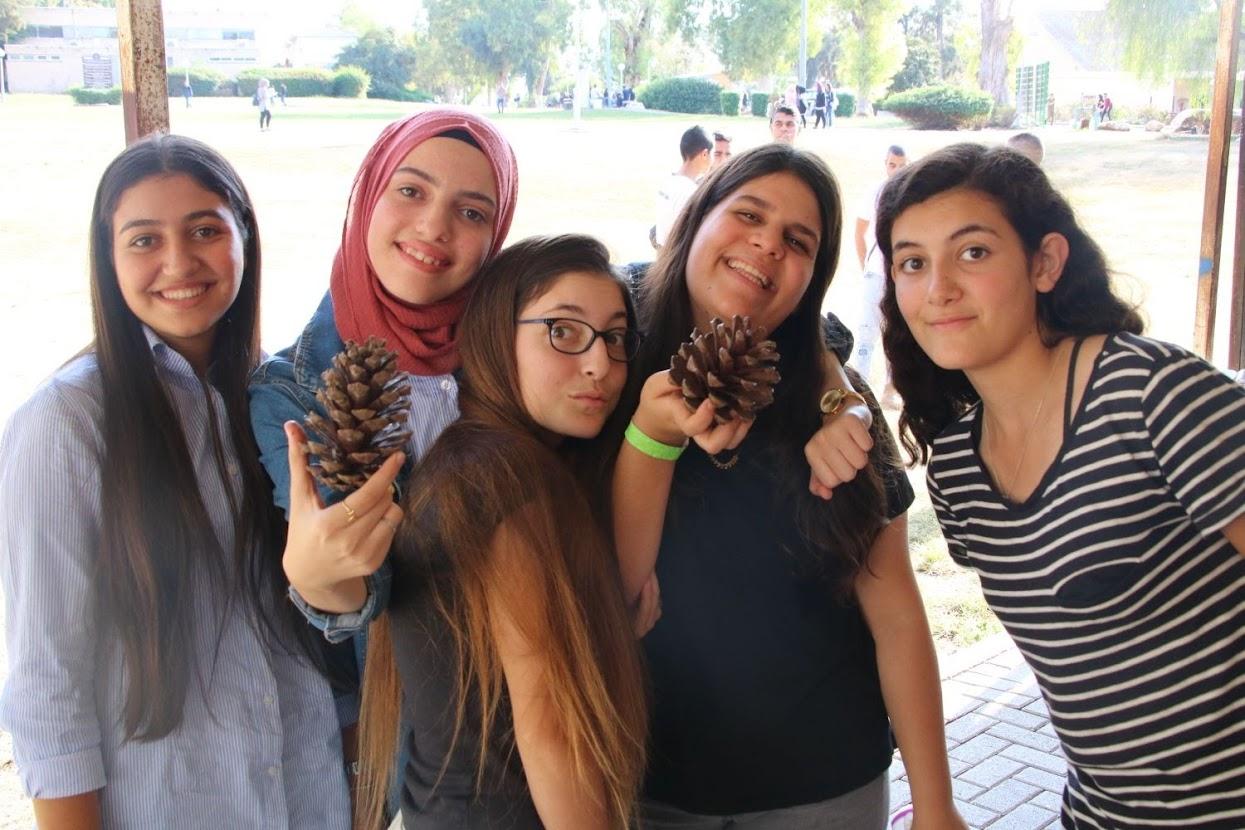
835,400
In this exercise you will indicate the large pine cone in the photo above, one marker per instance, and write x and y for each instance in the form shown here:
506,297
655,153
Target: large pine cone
733,365
366,399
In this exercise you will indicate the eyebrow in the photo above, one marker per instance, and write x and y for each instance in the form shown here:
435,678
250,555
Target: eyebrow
189,217
967,229
433,180
799,227
574,309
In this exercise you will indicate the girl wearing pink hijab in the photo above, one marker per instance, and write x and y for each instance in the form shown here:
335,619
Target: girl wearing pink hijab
430,205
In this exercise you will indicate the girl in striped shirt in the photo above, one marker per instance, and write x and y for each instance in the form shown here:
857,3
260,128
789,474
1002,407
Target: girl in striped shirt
1092,477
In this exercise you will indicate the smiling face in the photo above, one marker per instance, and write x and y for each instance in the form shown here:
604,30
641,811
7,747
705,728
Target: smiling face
178,254
754,252
963,281
571,394
433,224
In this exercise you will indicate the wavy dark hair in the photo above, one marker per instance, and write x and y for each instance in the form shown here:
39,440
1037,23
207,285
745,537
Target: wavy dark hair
156,536
1082,302
843,530
489,470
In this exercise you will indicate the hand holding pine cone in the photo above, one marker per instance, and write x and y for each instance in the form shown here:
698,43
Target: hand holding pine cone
732,365
366,399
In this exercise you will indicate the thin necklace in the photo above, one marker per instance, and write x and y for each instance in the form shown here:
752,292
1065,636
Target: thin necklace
1024,447
725,465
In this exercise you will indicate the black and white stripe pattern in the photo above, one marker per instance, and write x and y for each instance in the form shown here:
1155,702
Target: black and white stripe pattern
1119,588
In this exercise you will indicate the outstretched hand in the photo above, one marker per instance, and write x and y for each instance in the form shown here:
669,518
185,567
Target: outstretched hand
663,416
328,550
839,450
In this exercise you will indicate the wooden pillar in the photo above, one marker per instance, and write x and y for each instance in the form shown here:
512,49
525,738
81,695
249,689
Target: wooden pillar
144,86
1236,335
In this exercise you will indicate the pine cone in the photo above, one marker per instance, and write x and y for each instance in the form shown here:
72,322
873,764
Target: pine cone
732,365
366,399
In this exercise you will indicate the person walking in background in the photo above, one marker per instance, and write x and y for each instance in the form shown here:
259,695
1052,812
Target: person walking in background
284,91
263,99
694,147
819,107
188,91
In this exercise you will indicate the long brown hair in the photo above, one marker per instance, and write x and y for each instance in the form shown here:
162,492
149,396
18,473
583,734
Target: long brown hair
1082,303
842,531
490,470
156,535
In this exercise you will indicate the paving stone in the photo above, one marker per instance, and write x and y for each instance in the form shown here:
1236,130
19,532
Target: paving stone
897,769
1040,777
1006,795
1024,817
978,749
989,681
974,815
1024,737
901,795
955,704
1048,729
991,771
1008,714
1051,762
965,790
962,688
1048,800
1010,659
957,766
1038,707
967,726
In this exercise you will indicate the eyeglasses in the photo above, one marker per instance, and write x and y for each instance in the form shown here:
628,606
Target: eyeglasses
570,336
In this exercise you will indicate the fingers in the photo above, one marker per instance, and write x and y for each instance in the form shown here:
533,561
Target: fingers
371,552
647,607
721,437
302,485
375,491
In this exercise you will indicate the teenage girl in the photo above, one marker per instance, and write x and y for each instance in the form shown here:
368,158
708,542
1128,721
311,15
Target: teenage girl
793,635
1092,477
155,677
516,665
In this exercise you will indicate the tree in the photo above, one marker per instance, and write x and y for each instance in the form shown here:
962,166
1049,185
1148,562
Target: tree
488,41
10,19
1164,37
389,59
932,25
996,31
754,38
633,26
873,48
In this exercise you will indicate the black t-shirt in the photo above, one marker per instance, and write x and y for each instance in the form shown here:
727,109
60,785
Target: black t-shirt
766,687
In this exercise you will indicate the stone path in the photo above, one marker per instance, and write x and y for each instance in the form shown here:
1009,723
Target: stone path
1006,767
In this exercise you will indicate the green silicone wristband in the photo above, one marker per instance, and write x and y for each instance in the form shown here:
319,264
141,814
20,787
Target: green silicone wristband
651,446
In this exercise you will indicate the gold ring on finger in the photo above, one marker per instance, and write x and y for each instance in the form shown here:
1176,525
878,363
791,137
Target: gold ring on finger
350,514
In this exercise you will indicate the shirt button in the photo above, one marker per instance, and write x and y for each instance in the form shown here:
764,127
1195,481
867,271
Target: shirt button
273,771
447,384
268,700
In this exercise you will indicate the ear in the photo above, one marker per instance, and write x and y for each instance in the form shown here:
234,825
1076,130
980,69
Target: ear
1049,261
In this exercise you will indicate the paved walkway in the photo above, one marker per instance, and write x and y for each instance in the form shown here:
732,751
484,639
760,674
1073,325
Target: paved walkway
1006,767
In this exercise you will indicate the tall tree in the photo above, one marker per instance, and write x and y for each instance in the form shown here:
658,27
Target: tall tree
388,58
873,46
755,38
634,24
996,31
499,38
1163,37
10,19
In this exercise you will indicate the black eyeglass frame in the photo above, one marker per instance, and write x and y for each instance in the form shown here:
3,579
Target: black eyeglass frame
629,336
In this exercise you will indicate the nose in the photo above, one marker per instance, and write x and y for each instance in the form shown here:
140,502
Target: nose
434,221
943,286
595,362
767,239
179,258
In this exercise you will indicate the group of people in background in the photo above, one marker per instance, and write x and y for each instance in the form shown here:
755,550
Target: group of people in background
571,601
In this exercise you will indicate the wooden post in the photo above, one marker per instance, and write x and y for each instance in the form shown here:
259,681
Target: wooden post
144,86
1216,177
1236,335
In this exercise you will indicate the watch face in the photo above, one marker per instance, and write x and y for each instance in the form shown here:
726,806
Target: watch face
832,400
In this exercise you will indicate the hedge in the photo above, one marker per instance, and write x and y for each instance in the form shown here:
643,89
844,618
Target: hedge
760,104
940,107
730,103
85,95
690,95
202,81
380,89
844,104
351,82
300,83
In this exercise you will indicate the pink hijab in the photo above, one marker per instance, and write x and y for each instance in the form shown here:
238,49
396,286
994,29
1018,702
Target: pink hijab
425,337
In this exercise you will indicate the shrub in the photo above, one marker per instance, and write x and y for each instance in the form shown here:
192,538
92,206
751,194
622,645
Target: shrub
940,107
300,83
760,104
730,103
380,89
690,95
87,95
844,104
202,80
350,82
1003,117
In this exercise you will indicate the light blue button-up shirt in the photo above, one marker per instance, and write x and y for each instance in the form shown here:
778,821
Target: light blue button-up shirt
258,746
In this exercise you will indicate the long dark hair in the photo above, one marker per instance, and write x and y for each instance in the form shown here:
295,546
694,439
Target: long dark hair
1082,302
842,531
156,534
488,470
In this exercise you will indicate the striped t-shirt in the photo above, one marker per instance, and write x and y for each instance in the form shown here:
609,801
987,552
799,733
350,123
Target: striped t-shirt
1119,588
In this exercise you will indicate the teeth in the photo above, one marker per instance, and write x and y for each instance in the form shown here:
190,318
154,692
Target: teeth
183,293
750,272
422,257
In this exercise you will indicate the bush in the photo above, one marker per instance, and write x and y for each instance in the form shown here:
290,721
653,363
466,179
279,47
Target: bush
350,82
380,89
300,83
1002,117
844,104
940,107
760,104
730,103
690,95
86,95
202,81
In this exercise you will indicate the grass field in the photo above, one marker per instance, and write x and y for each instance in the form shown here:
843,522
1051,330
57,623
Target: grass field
1138,194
